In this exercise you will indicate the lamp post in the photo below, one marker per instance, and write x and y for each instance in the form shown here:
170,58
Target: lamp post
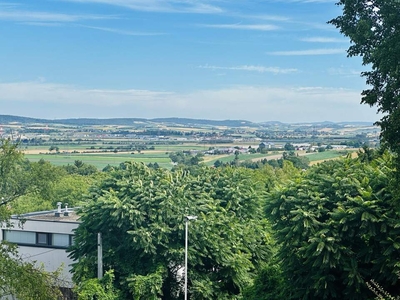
187,219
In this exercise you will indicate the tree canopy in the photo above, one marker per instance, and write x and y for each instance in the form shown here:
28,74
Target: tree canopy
373,27
140,212
25,280
337,229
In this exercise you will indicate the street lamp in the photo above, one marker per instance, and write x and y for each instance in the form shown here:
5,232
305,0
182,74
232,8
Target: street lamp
187,219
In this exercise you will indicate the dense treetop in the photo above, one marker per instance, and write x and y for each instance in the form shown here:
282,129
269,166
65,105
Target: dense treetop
145,208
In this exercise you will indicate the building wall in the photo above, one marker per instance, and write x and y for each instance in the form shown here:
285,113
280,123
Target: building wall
52,257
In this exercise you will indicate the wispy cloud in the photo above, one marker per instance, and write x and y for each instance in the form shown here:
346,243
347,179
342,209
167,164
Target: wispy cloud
43,24
276,18
260,27
309,1
12,14
123,32
250,68
345,72
320,39
39,90
172,6
254,103
327,51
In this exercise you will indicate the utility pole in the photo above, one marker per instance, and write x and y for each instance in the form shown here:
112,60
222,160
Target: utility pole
99,256
187,219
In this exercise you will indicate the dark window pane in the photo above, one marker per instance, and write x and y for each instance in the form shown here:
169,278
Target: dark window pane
42,239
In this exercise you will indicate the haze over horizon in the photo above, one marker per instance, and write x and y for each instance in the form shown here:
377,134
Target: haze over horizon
208,59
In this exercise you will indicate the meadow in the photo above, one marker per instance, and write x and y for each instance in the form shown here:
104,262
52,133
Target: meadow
160,156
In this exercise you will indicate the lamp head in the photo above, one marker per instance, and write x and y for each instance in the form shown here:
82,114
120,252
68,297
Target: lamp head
190,218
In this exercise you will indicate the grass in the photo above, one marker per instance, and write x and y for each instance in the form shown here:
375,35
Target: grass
326,155
101,160
242,158
160,156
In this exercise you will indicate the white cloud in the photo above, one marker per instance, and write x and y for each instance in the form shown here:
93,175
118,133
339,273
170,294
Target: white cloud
254,103
43,24
345,72
260,27
176,6
310,1
42,17
38,91
319,39
325,51
123,32
277,18
260,69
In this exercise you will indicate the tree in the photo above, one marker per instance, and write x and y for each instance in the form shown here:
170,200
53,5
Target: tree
140,213
17,277
25,280
11,165
182,158
337,229
268,285
374,31
71,189
300,162
52,147
98,288
42,176
81,168
289,147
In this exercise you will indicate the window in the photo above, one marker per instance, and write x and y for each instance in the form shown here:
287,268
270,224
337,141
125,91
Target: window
19,237
61,240
42,238
56,240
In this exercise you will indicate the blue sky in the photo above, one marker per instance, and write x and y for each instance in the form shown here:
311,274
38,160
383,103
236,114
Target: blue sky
258,60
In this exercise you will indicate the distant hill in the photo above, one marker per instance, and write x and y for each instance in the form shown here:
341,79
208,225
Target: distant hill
8,119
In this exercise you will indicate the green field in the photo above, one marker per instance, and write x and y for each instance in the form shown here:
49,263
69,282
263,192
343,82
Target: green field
102,160
326,155
242,157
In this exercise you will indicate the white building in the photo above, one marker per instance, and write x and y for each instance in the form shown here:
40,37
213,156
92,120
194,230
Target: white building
44,237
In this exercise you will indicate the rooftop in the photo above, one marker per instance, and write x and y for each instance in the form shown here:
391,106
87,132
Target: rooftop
50,215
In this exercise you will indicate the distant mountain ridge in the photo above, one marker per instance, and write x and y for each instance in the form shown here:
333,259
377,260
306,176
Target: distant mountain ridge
7,119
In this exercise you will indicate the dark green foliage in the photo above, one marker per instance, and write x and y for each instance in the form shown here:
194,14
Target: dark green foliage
185,158
12,183
140,212
24,280
42,176
18,278
374,30
269,285
289,147
337,228
300,162
98,288
80,168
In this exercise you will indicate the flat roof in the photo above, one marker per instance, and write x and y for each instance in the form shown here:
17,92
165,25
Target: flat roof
50,215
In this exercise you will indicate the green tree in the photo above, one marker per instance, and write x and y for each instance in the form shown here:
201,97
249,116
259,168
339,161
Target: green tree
289,147
374,31
25,280
337,229
140,212
81,168
42,176
268,285
300,162
18,278
12,181
71,189
98,288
